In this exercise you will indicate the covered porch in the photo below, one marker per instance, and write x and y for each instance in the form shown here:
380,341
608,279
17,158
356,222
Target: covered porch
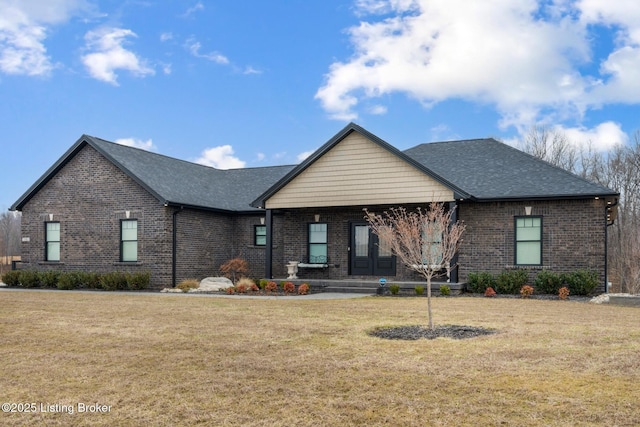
314,215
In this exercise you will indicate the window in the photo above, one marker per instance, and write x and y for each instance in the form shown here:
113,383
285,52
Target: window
52,240
528,240
129,240
318,243
259,235
432,244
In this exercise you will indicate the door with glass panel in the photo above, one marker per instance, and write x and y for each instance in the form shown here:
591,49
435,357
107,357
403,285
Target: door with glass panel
368,256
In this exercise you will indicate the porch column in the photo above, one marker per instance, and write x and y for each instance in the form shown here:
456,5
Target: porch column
268,254
453,265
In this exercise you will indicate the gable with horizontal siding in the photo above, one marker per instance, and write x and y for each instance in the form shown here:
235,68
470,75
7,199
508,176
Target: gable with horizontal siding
357,171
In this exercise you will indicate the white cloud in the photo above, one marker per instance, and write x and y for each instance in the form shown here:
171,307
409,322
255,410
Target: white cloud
193,9
24,25
378,110
109,55
302,156
220,157
603,137
527,58
166,37
137,143
193,46
166,68
250,70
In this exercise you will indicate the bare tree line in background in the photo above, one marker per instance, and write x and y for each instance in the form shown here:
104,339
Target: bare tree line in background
619,169
9,238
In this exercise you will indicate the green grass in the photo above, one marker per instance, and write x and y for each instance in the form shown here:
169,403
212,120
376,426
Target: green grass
185,360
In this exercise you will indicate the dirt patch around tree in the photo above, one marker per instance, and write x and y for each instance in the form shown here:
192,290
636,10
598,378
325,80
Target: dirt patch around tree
417,332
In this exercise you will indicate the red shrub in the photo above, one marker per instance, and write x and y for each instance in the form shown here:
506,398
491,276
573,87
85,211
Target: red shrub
303,289
271,287
563,292
526,291
489,292
289,287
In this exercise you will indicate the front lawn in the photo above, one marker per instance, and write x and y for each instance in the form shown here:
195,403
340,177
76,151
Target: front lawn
189,360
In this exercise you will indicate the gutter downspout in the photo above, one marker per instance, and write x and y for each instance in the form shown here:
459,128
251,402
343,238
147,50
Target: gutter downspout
606,244
268,256
174,251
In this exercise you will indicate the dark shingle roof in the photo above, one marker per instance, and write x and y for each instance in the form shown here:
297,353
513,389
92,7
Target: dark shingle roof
479,169
184,183
488,169
173,181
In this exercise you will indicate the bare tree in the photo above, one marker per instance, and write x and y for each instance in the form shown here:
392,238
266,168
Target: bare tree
618,169
621,171
9,236
425,240
551,146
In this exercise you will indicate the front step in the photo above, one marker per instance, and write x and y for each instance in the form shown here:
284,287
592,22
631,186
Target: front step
370,287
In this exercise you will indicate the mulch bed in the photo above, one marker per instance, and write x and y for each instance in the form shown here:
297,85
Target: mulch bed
418,332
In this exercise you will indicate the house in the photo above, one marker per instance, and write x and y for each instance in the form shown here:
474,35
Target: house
104,206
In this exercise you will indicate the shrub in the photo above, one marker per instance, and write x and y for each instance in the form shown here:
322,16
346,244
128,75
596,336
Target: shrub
138,281
233,268
419,290
88,280
254,288
510,281
563,293
479,282
445,290
303,289
11,278
394,289
271,287
489,292
526,291
547,282
49,278
581,282
289,287
245,284
68,281
187,284
230,291
263,283
114,281
30,278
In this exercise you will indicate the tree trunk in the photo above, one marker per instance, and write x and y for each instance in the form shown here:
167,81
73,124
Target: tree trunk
429,303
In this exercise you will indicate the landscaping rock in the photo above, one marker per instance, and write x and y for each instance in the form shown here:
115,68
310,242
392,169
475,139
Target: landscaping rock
213,284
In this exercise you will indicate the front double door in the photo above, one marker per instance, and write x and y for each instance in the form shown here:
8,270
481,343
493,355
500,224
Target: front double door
368,256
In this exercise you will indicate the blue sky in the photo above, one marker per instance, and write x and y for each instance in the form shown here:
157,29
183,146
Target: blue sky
257,83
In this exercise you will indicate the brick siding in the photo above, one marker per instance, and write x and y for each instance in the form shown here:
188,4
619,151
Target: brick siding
573,238
89,196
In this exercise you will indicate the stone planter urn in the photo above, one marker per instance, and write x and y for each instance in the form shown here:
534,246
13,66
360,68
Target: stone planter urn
292,269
